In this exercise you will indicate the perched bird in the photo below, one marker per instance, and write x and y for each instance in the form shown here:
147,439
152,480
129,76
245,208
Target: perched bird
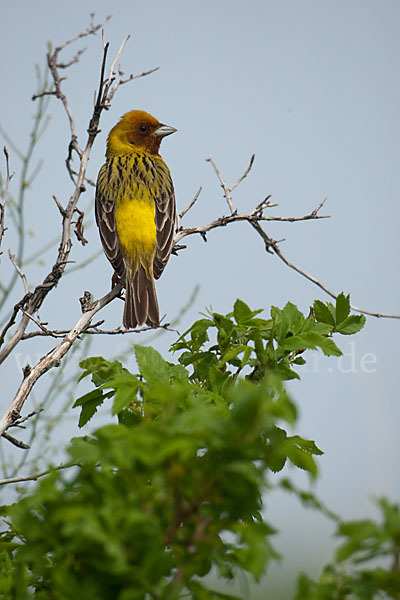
135,212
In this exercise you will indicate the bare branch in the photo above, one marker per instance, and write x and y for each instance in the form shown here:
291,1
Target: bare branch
91,30
185,210
113,83
52,60
325,288
9,176
52,359
116,59
247,171
15,442
60,208
227,191
55,333
79,227
74,59
13,317
36,476
41,326
92,330
19,422
119,331
255,218
120,81
320,205
255,215
142,74
54,65
20,273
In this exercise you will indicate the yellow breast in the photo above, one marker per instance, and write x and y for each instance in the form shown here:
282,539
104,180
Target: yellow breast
134,217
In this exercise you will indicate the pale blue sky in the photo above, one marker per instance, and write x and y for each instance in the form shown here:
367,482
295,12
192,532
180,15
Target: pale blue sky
312,89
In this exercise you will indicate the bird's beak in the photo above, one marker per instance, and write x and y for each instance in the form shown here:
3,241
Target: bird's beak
164,130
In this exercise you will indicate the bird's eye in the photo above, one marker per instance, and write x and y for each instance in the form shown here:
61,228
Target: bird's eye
143,128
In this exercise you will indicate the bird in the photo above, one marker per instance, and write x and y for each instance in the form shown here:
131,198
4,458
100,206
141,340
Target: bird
135,212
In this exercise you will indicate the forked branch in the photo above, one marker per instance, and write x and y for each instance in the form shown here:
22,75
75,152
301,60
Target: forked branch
255,218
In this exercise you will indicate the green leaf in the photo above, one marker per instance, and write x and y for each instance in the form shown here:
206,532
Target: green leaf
342,308
294,316
277,454
152,366
299,360
307,445
100,369
322,313
242,312
90,403
178,373
312,340
300,452
302,459
282,325
246,356
124,396
352,324
198,336
275,313
232,353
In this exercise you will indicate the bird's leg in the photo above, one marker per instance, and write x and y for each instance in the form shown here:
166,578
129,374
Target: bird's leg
116,280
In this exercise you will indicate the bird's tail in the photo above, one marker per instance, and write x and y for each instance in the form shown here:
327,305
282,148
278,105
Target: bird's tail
141,306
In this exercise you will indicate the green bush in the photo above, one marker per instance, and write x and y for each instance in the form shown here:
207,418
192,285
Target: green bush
173,487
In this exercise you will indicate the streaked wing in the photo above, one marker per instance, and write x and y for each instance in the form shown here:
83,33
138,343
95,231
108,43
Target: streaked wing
105,219
165,223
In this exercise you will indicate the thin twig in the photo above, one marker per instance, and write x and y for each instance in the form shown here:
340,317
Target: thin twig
255,215
91,330
120,81
326,289
227,191
247,171
41,326
20,273
15,442
116,59
36,476
9,176
139,75
74,60
113,83
91,30
19,422
189,206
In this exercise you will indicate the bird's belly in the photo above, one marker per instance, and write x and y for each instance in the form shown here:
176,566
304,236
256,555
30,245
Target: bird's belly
136,227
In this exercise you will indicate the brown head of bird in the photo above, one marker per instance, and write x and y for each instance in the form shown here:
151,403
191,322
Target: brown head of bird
137,130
